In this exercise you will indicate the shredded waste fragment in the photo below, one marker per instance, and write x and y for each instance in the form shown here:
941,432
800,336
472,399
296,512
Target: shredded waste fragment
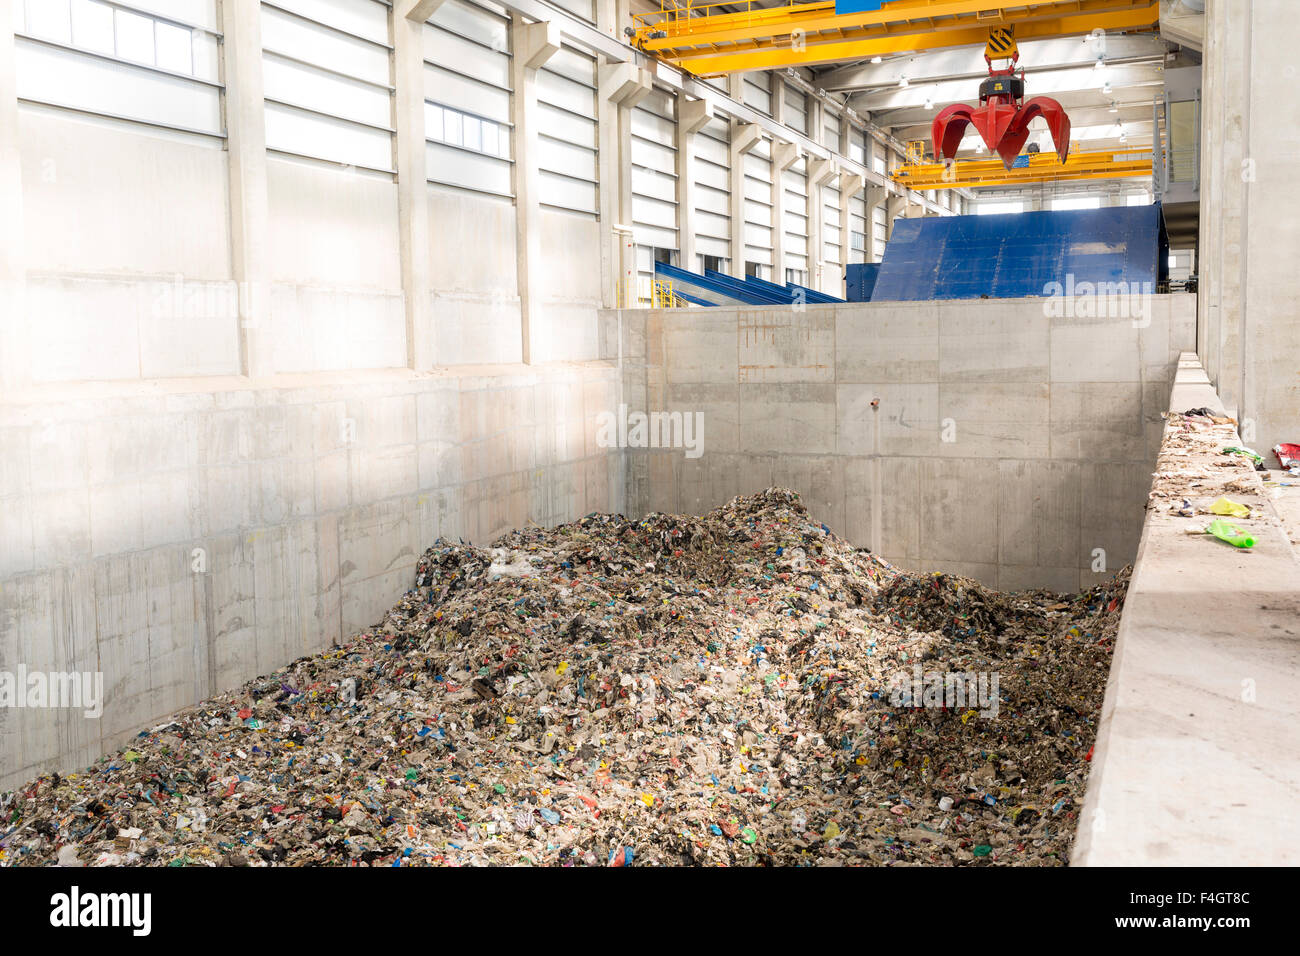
742,688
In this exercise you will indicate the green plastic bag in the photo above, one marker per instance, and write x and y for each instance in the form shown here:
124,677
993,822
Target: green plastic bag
1229,532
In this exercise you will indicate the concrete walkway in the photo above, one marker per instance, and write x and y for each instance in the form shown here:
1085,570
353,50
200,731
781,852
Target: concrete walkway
1197,759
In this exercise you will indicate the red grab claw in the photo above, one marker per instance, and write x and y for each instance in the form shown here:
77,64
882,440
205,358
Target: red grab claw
1002,119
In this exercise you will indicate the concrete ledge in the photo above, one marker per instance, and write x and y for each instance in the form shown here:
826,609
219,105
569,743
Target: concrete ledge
1197,761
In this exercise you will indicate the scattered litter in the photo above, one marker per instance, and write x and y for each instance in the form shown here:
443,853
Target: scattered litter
1247,453
1226,531
1288,455
1209,413
674,690
1233,509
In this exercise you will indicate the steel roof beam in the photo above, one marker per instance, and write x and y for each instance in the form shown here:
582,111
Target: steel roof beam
967,63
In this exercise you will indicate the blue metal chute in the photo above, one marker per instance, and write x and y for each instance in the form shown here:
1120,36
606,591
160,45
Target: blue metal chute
1020,255
760,294
718,288
714,288
790,289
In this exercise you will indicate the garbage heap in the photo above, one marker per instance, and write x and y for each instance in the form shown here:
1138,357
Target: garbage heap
741,688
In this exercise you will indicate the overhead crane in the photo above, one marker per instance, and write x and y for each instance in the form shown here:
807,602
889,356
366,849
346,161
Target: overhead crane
1027,169
712,39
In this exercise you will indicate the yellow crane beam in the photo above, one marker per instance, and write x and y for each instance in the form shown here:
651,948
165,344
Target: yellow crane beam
1039,168
712,43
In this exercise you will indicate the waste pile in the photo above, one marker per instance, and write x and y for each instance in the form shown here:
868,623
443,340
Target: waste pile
741,688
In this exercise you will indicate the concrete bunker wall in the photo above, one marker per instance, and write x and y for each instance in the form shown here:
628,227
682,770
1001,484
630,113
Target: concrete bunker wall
1013,441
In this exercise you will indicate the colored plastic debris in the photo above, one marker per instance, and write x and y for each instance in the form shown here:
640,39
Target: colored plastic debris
673,690
1230,533
1288,455
1232,509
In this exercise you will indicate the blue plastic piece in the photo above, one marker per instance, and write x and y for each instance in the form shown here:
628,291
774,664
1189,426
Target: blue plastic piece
1021,255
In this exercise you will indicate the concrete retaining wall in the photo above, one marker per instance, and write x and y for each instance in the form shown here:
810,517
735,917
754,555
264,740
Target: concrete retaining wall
181,537
1010,444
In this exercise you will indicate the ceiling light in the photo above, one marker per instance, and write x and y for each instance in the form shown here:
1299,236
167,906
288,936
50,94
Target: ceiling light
1100,64
1123,137
929,103
1106,88
875,59
1113,107
902,82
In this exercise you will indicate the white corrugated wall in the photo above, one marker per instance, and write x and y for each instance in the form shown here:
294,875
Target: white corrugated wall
711,168
794,193
467,98
654,181
567,131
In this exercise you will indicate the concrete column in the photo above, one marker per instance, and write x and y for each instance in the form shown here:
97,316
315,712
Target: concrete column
607,167
15,349
1269,281
1207,315
249,213
778,192
850,186
820,172
744,137
532,44
622,86
418,10
412,179
876,196
784,155
692,116
895,206
816,204
1233,24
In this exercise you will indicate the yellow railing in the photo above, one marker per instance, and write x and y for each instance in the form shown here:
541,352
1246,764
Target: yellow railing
661,295
643,292
670,12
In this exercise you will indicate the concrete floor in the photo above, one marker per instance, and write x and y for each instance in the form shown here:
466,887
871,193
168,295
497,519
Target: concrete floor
1284,492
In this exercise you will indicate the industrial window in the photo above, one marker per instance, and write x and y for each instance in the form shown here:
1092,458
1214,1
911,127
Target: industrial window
149,61
998,208
718,264
112,30
1077,202
467,90
1138,199
796,276
754,269
455,128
